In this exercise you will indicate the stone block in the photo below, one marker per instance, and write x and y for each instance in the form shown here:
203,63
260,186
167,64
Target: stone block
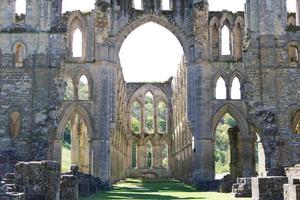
243,188
39,180
268,188
68,187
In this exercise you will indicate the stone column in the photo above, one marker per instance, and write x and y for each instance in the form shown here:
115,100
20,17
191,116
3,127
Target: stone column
248,157
143,130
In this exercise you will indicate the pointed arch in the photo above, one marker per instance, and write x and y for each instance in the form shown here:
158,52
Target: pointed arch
67,113
19,51
70,89
162,117
134,154
236,89
185,41
149,112
77,43
238,39
76,36
15,120
214,37
238,117
220,90
136,117
149,154
83,88
165,155
226,40
296,122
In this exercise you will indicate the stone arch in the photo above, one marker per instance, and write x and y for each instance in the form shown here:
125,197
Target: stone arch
85,73
215,78
294,118
57,139
293,53
238,38
185,40
237,115
77,21
20,52
227,19
214,28
67,114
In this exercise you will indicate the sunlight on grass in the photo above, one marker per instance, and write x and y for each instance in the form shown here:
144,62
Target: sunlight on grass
157,189
66,159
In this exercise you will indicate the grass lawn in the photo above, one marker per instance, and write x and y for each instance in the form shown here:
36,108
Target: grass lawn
157,189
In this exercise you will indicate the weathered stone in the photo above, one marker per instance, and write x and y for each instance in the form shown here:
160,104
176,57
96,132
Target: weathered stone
242,188
267,188
38,180
68,187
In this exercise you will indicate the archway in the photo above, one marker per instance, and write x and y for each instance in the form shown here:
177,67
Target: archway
231,124
72,142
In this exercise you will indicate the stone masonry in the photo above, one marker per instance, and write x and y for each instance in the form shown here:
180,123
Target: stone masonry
37,59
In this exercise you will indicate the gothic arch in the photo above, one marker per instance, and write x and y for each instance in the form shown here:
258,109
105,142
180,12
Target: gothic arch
237,115
66,116
85,73
185,40
77,21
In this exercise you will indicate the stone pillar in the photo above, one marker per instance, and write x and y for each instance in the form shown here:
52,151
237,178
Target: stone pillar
204,160
7,13
235,154
143,130
40,180
248,158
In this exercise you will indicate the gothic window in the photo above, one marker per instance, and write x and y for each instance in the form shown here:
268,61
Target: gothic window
296,123
165,155
149,113
20,7
162,117
166,5
149,154
236,89
225,40
69,93
136,118
19,51
215,41
15,124
138,4
293,54
83,88
220,89
238,41
134,155
77,44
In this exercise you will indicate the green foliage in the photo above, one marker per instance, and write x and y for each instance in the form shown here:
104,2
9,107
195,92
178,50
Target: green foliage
136,118
222,148
149,111
66,159
83,91
69,94
162,117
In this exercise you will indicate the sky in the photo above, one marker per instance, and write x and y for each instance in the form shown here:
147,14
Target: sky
151,52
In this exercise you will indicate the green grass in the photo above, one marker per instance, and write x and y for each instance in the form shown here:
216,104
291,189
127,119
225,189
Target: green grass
66,159
157,189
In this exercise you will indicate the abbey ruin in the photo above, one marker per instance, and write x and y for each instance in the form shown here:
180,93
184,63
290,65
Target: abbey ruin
36,60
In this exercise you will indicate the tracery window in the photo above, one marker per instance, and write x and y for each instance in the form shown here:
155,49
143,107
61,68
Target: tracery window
136,118
236,89
220,90
149,154
149,113
162,117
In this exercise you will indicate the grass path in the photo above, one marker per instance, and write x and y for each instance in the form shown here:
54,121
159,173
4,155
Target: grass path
157,189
